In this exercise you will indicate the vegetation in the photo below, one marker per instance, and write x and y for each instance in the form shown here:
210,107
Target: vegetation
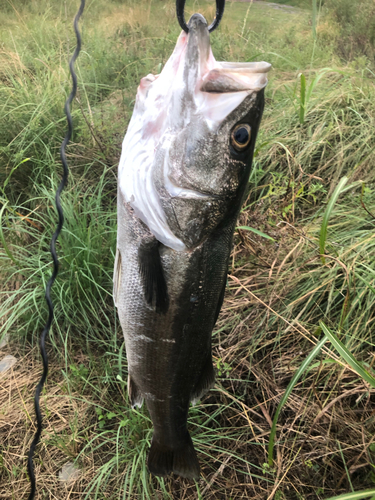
355,26
291,416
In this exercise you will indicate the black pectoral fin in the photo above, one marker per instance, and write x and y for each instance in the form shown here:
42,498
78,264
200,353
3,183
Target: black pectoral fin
135,396
152,274
205,382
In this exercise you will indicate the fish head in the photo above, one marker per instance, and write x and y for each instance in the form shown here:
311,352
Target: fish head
187,154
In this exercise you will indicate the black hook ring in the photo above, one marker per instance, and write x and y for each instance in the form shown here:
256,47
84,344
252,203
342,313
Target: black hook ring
180,7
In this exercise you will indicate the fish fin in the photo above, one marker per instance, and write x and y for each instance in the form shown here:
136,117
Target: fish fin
117,276
182,461
151,271
135,395
205,383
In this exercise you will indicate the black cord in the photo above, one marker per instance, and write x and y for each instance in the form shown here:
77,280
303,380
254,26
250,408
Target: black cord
180,6
30,464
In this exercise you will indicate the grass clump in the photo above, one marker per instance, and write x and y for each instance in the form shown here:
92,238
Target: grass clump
85,250
355,26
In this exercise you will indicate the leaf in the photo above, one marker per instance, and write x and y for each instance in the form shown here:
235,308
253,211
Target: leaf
302,108
365,281
2,238
259,148
11,172
355,495
315,82
247,228
348,356
327,215
287,393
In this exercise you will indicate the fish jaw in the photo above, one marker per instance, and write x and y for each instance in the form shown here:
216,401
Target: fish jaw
181,117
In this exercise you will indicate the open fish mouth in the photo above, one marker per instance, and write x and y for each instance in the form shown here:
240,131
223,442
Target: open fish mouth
193,66
192,81
175,113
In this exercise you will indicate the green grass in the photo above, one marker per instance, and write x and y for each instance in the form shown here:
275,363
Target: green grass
317,131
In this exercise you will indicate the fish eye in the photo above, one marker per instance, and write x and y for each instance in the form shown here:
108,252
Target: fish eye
241,136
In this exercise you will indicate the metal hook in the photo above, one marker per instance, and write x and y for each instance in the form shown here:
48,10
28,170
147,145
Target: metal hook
180,7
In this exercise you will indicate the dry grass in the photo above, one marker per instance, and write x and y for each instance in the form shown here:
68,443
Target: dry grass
64,414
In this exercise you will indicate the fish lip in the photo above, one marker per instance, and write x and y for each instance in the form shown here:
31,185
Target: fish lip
235,77
196,195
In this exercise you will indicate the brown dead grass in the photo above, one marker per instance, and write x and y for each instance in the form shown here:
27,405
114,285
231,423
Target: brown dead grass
63,417
327,424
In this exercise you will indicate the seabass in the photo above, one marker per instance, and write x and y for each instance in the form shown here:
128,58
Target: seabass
185,164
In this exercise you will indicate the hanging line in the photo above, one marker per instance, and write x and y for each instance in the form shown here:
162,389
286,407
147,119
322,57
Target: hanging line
30,464
180,7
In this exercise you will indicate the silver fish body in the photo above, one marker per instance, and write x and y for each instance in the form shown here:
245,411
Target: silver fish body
183,173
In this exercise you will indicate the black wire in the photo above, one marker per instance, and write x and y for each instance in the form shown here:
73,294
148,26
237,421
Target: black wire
30,464
180,7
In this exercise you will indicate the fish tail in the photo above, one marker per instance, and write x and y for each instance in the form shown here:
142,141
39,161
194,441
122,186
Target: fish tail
182,461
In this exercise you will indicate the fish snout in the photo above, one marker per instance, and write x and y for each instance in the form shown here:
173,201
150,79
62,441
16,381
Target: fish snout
198,52
197,21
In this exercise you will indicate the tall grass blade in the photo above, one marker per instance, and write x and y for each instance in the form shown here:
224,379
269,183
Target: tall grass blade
256,231
314,17
11,172
327,215
302,107
316,80
357,495
2,238
348,356
370,287
288,391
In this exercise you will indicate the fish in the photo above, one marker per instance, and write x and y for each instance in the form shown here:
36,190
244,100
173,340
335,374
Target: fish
182,177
